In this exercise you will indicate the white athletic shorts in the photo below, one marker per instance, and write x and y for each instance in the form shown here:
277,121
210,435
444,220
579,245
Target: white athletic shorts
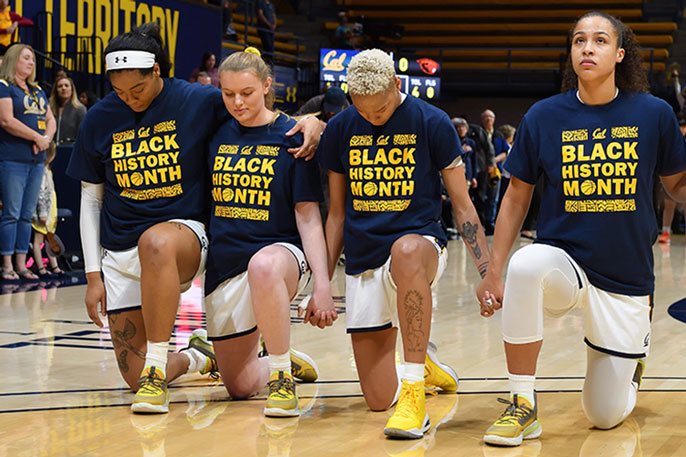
615,324
122,271
229,307
371,296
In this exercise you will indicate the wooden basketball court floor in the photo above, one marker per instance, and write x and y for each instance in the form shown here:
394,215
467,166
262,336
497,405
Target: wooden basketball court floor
61,394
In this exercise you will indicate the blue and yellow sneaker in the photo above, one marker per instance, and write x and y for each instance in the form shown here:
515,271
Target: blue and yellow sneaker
518,422
200,343
152,395
282,400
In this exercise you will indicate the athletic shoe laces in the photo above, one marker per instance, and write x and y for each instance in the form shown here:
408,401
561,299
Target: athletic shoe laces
408,404
514,411
152,383
282,387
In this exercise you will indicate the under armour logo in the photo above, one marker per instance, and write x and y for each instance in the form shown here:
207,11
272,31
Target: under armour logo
117,59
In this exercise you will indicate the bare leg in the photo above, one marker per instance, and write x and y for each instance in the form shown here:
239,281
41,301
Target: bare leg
414,262
37,256
668,212
129,340
522,358
273,276
243,373
375,360
169,254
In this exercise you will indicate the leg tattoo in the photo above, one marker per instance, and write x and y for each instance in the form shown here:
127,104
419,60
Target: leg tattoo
121,339
415,316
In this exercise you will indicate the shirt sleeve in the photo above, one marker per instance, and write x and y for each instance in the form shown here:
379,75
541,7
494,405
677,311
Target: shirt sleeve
307,186
443,141
5,89
329,152
522,161
86,162
672,148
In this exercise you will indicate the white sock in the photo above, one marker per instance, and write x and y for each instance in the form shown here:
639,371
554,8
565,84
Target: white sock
414,372
196,360
157,355
280,363
667,229
523,386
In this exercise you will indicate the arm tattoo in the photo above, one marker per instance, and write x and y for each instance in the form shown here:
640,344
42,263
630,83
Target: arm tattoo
121,339
414,315
482,269
469,233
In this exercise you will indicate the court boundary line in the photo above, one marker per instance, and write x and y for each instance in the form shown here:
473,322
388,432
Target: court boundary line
323,397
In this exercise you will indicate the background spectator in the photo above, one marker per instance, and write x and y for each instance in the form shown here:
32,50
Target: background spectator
504,145
67,108
344,33
204,78
23,141
669,88
325,105
9,21
266,21
45,221
485,163
88,98
208,64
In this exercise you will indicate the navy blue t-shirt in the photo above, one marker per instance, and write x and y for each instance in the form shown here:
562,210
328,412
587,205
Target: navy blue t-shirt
255,186
394,184
599,165
153,163
30,108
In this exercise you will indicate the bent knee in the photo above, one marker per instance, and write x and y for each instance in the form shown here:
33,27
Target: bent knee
377,404
528,263
406,257
264,268
604,417
155,245
237,391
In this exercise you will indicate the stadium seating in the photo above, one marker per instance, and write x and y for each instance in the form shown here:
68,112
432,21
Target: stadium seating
501,34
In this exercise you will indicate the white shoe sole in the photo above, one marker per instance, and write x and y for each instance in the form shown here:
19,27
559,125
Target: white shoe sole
431,352
413,433
533,431
307,359
278,412
149,408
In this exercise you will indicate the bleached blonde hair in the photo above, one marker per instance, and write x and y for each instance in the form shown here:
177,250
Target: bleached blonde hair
371,72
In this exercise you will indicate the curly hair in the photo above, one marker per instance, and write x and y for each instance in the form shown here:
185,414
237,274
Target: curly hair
629,73
370,72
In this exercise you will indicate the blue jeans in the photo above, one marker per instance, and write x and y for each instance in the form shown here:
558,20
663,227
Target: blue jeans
19,188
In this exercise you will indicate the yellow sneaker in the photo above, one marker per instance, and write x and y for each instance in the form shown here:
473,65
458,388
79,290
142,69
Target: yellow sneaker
152,395
200,343
519,421
303,367
409,419
282,400
437,374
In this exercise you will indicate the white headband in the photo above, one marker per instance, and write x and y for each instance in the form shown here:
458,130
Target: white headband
120,60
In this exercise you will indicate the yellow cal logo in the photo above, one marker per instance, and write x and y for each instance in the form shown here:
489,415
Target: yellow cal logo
143,132
599,134
333,63
383,140
245,150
